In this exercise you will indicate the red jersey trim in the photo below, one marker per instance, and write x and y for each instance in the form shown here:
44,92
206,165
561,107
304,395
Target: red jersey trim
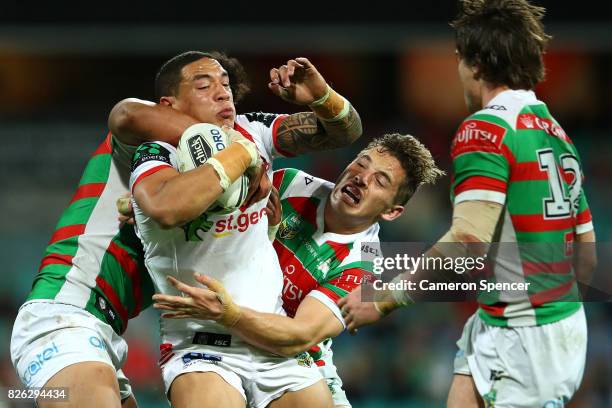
277,178
244,132
563,267
550,295
481,183
275,126
537,223
149,172
56,259
88,191
131,268
112,297
66,232
584,217
496,309
105,147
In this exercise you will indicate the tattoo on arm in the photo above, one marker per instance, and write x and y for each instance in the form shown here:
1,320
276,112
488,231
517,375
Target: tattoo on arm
303,133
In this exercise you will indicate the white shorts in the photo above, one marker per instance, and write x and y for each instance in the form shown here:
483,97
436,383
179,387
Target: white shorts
532,366
259,376
328,370
49,336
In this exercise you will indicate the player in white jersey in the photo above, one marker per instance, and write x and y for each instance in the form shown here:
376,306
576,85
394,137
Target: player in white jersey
332,220
202,355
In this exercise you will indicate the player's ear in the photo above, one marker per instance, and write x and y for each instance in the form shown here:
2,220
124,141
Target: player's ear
475,71
167,100
392,213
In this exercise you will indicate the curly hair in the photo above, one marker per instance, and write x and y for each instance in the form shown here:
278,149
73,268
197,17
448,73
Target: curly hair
415,159
169,75
505,39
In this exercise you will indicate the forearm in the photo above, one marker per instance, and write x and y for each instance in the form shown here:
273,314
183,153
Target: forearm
178,199
471,232
341,132
134,121
275,333
304,132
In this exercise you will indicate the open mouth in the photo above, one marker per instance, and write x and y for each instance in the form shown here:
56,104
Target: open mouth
351,194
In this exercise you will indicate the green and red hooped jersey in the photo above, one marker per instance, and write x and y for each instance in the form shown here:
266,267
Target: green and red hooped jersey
90,262
315,263
513,152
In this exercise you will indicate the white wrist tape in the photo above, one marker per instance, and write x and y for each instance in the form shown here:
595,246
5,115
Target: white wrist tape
251,149
343,113
322,99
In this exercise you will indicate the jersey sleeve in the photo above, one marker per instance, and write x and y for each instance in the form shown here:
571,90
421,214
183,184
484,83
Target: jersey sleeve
481,161
343,280
122,152
265,125
149,158
584,219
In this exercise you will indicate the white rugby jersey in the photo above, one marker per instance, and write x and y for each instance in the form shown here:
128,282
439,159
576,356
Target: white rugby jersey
232,248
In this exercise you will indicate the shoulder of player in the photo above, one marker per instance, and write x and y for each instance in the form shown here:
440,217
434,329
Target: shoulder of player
153,151
505,108
263,118
294,179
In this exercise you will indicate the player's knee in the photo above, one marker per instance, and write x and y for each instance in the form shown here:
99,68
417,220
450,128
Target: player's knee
219,392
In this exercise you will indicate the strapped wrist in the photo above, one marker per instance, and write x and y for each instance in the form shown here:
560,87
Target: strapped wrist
343,113
231,311
224,180
322,99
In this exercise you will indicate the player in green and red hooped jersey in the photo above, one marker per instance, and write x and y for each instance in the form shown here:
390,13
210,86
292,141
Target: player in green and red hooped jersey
319,245
514,167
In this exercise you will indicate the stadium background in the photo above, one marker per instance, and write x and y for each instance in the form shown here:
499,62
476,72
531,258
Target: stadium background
62,67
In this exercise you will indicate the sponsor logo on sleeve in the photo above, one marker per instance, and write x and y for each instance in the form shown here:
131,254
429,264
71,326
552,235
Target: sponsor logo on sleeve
477,136
150,152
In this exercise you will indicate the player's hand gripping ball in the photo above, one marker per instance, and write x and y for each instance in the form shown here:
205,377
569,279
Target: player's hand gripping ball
198,144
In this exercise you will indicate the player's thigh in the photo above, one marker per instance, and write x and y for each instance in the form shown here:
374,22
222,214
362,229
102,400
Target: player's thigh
202,390
463,393
315,396
89,384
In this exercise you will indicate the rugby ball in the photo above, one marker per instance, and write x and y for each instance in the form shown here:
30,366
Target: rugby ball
198,144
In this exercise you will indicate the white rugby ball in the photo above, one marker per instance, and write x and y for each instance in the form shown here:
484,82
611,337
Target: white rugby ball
198,144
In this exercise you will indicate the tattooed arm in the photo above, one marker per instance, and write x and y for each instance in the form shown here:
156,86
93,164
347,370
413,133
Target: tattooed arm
333,122
303,133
